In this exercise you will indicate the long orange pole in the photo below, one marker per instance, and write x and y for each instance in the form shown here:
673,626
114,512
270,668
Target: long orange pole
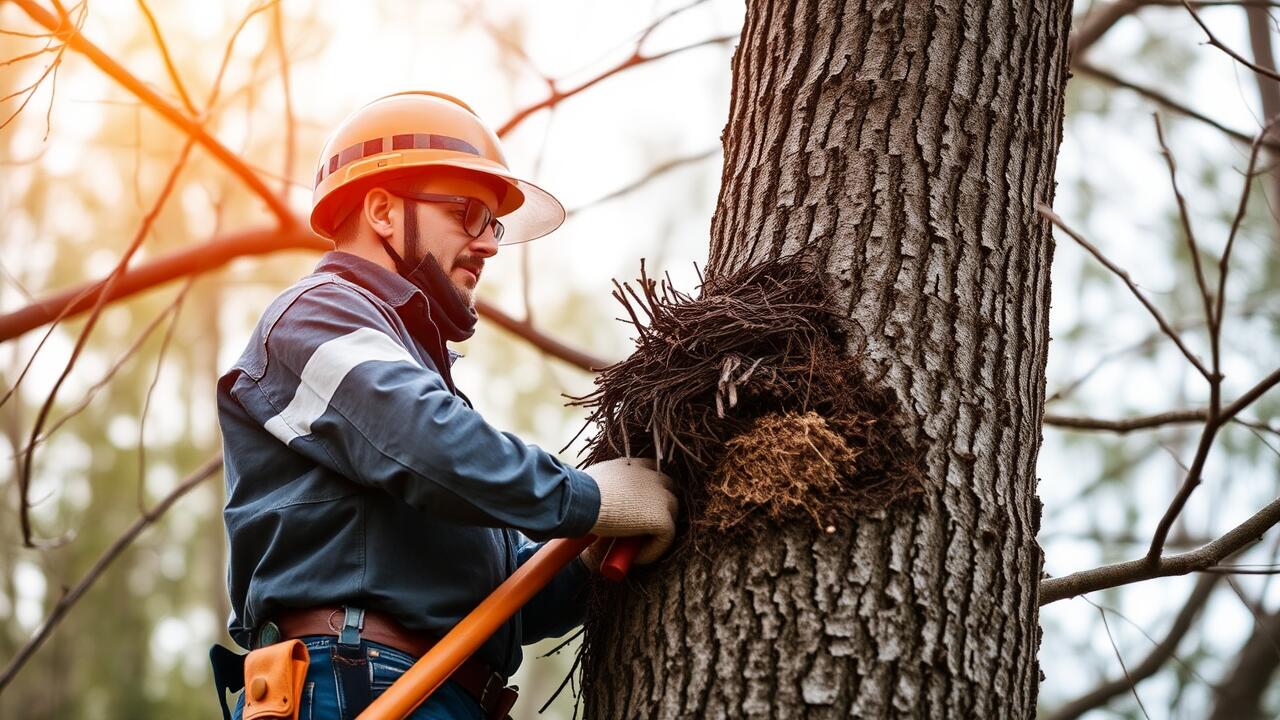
432,669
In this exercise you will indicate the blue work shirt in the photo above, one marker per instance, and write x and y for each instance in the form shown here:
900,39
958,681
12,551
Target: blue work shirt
357,474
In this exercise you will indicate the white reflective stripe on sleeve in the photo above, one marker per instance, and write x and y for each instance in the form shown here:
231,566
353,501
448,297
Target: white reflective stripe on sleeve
324,372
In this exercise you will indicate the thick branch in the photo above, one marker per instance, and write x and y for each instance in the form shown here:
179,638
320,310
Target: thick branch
1107,576
199,259
218,251
1097,23
1126,425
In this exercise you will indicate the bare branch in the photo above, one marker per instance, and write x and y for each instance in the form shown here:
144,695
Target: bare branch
656,171
201,258
185,122
1108,576
24,475
1217,416
1100,19
106,377
108,556
290,123
1126,425
1052,217
231,44
1145,422
1170,103
547,344
1213,40
52,68
1159,655
151,388
1188,233
557,96
174,77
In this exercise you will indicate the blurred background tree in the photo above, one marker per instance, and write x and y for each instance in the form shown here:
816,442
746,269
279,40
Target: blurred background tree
84,161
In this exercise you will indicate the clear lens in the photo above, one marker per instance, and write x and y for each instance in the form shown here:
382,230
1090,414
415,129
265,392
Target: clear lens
477,217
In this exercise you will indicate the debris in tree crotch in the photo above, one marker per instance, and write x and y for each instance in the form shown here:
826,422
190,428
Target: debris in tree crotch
751,400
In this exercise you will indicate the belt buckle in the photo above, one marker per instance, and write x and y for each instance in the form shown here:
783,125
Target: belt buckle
494,684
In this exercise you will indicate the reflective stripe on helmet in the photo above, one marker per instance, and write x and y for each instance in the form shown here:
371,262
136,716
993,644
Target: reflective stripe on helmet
405,141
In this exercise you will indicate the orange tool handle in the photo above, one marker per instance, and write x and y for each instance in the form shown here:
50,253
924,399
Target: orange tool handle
432,669
618,559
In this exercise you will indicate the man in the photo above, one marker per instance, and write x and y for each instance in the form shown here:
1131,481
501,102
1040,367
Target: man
369,506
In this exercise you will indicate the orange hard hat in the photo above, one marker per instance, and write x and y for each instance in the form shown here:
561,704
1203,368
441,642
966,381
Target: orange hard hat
407,133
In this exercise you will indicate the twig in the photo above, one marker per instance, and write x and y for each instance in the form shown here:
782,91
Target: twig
1052,217
24,475
1159,655
654,172
1185,218
113,551
290,123
53,66
1124,573
184,121
231,44
1168,102
155,379
636,59
1213,40
174,77
106,377
1129,683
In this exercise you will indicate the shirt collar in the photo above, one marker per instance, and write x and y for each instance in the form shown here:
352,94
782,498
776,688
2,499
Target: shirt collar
387,285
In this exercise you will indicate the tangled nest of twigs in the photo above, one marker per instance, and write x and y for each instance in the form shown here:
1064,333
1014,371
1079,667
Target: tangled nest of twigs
748,401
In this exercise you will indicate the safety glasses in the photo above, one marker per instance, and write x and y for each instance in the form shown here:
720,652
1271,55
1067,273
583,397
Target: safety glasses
476,215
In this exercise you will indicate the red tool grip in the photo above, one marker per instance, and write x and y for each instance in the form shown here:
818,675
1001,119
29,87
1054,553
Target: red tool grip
618,559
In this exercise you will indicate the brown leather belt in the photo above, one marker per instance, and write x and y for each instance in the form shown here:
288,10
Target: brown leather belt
478,679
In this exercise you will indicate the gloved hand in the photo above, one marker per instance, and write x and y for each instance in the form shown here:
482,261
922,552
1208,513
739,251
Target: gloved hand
635,499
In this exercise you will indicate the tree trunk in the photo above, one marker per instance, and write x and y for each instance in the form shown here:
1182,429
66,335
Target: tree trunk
907,143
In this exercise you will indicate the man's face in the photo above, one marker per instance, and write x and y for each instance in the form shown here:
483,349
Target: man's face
441,233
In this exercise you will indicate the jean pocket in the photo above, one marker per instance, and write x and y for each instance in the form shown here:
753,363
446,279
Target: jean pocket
386,669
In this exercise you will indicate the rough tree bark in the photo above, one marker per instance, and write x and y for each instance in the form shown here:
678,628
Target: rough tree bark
909,144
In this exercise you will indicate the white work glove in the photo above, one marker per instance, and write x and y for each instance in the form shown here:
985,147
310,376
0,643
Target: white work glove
635,499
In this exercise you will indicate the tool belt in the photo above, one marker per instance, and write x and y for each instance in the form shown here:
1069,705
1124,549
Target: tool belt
476,678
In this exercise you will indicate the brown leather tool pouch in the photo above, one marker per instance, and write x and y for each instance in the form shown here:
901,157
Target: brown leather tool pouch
273,678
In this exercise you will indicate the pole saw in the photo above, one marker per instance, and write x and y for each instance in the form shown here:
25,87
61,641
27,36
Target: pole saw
434,668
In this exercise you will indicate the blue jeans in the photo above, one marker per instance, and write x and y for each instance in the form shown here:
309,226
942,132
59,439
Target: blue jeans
322,701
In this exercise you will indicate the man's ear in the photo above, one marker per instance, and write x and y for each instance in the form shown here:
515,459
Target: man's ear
380,212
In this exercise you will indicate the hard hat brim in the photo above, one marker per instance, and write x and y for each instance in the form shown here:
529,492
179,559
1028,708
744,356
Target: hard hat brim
527,212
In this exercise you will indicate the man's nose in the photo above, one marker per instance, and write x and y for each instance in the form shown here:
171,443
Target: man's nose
485,245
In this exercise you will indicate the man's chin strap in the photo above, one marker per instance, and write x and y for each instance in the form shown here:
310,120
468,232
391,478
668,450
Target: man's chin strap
450,312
